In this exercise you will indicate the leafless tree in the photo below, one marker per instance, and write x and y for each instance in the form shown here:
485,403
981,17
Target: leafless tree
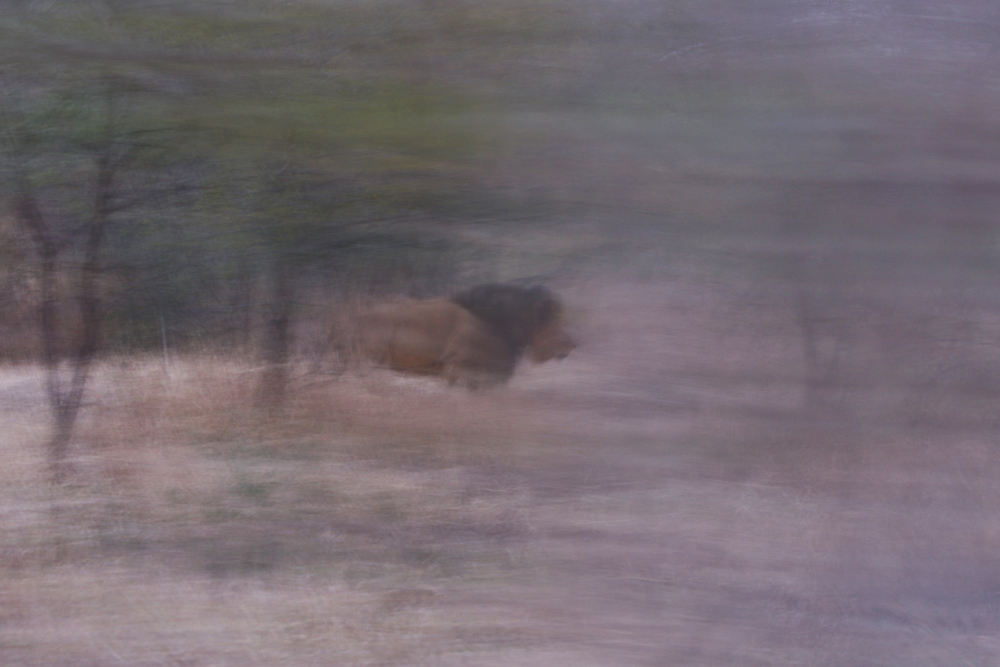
68,352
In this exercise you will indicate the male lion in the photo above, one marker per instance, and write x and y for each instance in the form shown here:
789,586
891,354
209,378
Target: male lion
474,338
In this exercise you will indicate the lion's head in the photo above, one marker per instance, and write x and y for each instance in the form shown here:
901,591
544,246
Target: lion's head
528,317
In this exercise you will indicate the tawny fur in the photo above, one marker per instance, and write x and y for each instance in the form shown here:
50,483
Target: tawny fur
438,337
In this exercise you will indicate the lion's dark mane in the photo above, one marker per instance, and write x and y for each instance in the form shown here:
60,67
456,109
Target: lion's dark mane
514,312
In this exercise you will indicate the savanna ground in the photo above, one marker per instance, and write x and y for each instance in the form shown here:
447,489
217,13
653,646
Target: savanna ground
664,496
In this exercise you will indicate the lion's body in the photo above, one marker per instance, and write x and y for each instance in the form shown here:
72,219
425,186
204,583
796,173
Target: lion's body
431,337
440,337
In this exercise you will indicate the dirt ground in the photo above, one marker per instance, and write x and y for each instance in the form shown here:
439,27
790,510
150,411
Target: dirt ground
667,495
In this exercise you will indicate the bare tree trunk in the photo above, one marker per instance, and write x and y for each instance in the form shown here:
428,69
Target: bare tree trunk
277,341
65,397
811,277
820,369
30,217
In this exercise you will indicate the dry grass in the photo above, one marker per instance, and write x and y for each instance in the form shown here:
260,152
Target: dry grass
662,497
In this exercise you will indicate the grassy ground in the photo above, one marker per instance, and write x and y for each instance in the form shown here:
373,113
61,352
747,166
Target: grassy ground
661,497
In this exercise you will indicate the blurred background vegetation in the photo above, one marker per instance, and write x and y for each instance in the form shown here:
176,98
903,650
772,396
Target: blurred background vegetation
262,147
402,147
247,165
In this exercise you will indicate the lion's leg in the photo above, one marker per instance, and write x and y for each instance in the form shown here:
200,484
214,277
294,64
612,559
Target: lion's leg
476,358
